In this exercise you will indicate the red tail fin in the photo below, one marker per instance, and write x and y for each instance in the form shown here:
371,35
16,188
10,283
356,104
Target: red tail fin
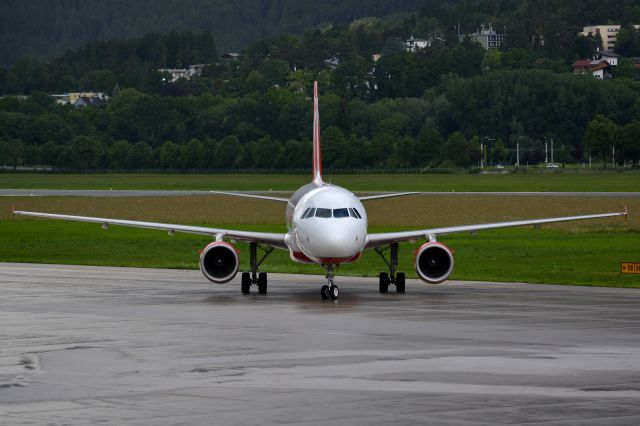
317,153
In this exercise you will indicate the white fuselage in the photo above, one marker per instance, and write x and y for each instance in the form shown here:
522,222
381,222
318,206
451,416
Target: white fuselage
327,225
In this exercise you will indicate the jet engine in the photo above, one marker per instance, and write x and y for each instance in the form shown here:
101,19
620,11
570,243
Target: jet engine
433,263
219,262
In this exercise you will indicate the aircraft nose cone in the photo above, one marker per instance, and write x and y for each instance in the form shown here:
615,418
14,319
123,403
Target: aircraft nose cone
328,244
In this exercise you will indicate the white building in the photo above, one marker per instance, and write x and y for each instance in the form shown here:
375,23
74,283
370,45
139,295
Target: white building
610,57
186,73
81,98
608,34
416,44
488,38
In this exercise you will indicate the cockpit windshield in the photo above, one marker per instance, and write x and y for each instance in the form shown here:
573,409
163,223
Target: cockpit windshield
329,213
340,213
324,213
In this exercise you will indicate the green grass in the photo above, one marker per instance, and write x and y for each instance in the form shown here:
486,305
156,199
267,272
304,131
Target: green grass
521,255
531,181
581,253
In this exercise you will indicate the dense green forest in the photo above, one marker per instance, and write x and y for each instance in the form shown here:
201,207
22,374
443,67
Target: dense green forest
407,110
44,28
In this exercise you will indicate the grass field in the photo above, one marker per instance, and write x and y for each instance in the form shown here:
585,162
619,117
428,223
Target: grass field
586,253
531,181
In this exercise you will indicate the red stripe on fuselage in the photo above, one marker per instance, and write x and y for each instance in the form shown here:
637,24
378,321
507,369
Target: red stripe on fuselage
317,153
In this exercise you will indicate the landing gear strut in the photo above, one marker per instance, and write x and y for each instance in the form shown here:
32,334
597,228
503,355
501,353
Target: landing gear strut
391,277
330,290
253,277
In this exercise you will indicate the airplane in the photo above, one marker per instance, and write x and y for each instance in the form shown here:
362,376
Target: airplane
327,225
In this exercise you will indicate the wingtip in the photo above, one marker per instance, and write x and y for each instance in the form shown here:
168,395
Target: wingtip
626,211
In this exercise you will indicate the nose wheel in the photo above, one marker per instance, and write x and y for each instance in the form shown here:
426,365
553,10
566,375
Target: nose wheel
330,290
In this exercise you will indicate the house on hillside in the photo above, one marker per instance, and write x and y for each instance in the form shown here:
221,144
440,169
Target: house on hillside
230,57
82,99
599,68
487,37
416,44
186,73
609,56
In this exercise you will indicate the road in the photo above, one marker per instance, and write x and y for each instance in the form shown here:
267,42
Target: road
87,345
169,193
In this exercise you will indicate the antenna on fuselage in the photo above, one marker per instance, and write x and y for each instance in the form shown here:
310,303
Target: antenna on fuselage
317,152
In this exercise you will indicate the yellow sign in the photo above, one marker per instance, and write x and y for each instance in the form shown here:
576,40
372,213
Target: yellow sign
630,268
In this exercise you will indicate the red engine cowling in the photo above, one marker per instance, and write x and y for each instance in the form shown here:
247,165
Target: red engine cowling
433,263
219,262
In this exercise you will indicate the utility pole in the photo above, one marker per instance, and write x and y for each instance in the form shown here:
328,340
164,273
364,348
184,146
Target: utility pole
481,155
552,150
517,154
613,156
546,159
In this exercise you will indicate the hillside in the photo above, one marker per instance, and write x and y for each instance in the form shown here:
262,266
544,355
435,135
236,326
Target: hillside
45,28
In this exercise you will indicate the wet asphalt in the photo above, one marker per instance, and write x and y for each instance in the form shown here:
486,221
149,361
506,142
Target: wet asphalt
86,345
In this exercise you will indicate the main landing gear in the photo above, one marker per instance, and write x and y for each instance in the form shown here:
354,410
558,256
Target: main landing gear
330,290
391,277
253,277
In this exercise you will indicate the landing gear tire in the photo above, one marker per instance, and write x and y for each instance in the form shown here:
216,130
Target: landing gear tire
246,283
400,282
262,283
325,292
334,292
384,282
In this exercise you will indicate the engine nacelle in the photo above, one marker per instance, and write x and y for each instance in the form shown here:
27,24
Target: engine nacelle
433,263
219,262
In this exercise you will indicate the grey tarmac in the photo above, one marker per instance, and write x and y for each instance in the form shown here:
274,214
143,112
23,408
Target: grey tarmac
84,345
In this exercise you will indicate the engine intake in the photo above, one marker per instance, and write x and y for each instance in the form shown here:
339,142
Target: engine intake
433,263
219,262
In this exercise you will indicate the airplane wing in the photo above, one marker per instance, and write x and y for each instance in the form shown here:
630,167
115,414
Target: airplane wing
246,195
376,240
272,239
286,200
391,195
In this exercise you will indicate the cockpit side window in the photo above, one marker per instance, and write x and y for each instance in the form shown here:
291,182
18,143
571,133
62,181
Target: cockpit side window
352,213
339,213
357,213
308,213
324,213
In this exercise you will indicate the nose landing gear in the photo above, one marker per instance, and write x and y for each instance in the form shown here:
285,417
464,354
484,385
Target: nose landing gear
392,277
330,290
253,277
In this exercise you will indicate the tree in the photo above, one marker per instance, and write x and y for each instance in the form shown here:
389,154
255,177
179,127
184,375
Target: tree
628,42
334,148
600,137
140,156
168,155
629,139
193,155
118,154
457,151
3,80
427,148
228,152
87,153
11,153
26,76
